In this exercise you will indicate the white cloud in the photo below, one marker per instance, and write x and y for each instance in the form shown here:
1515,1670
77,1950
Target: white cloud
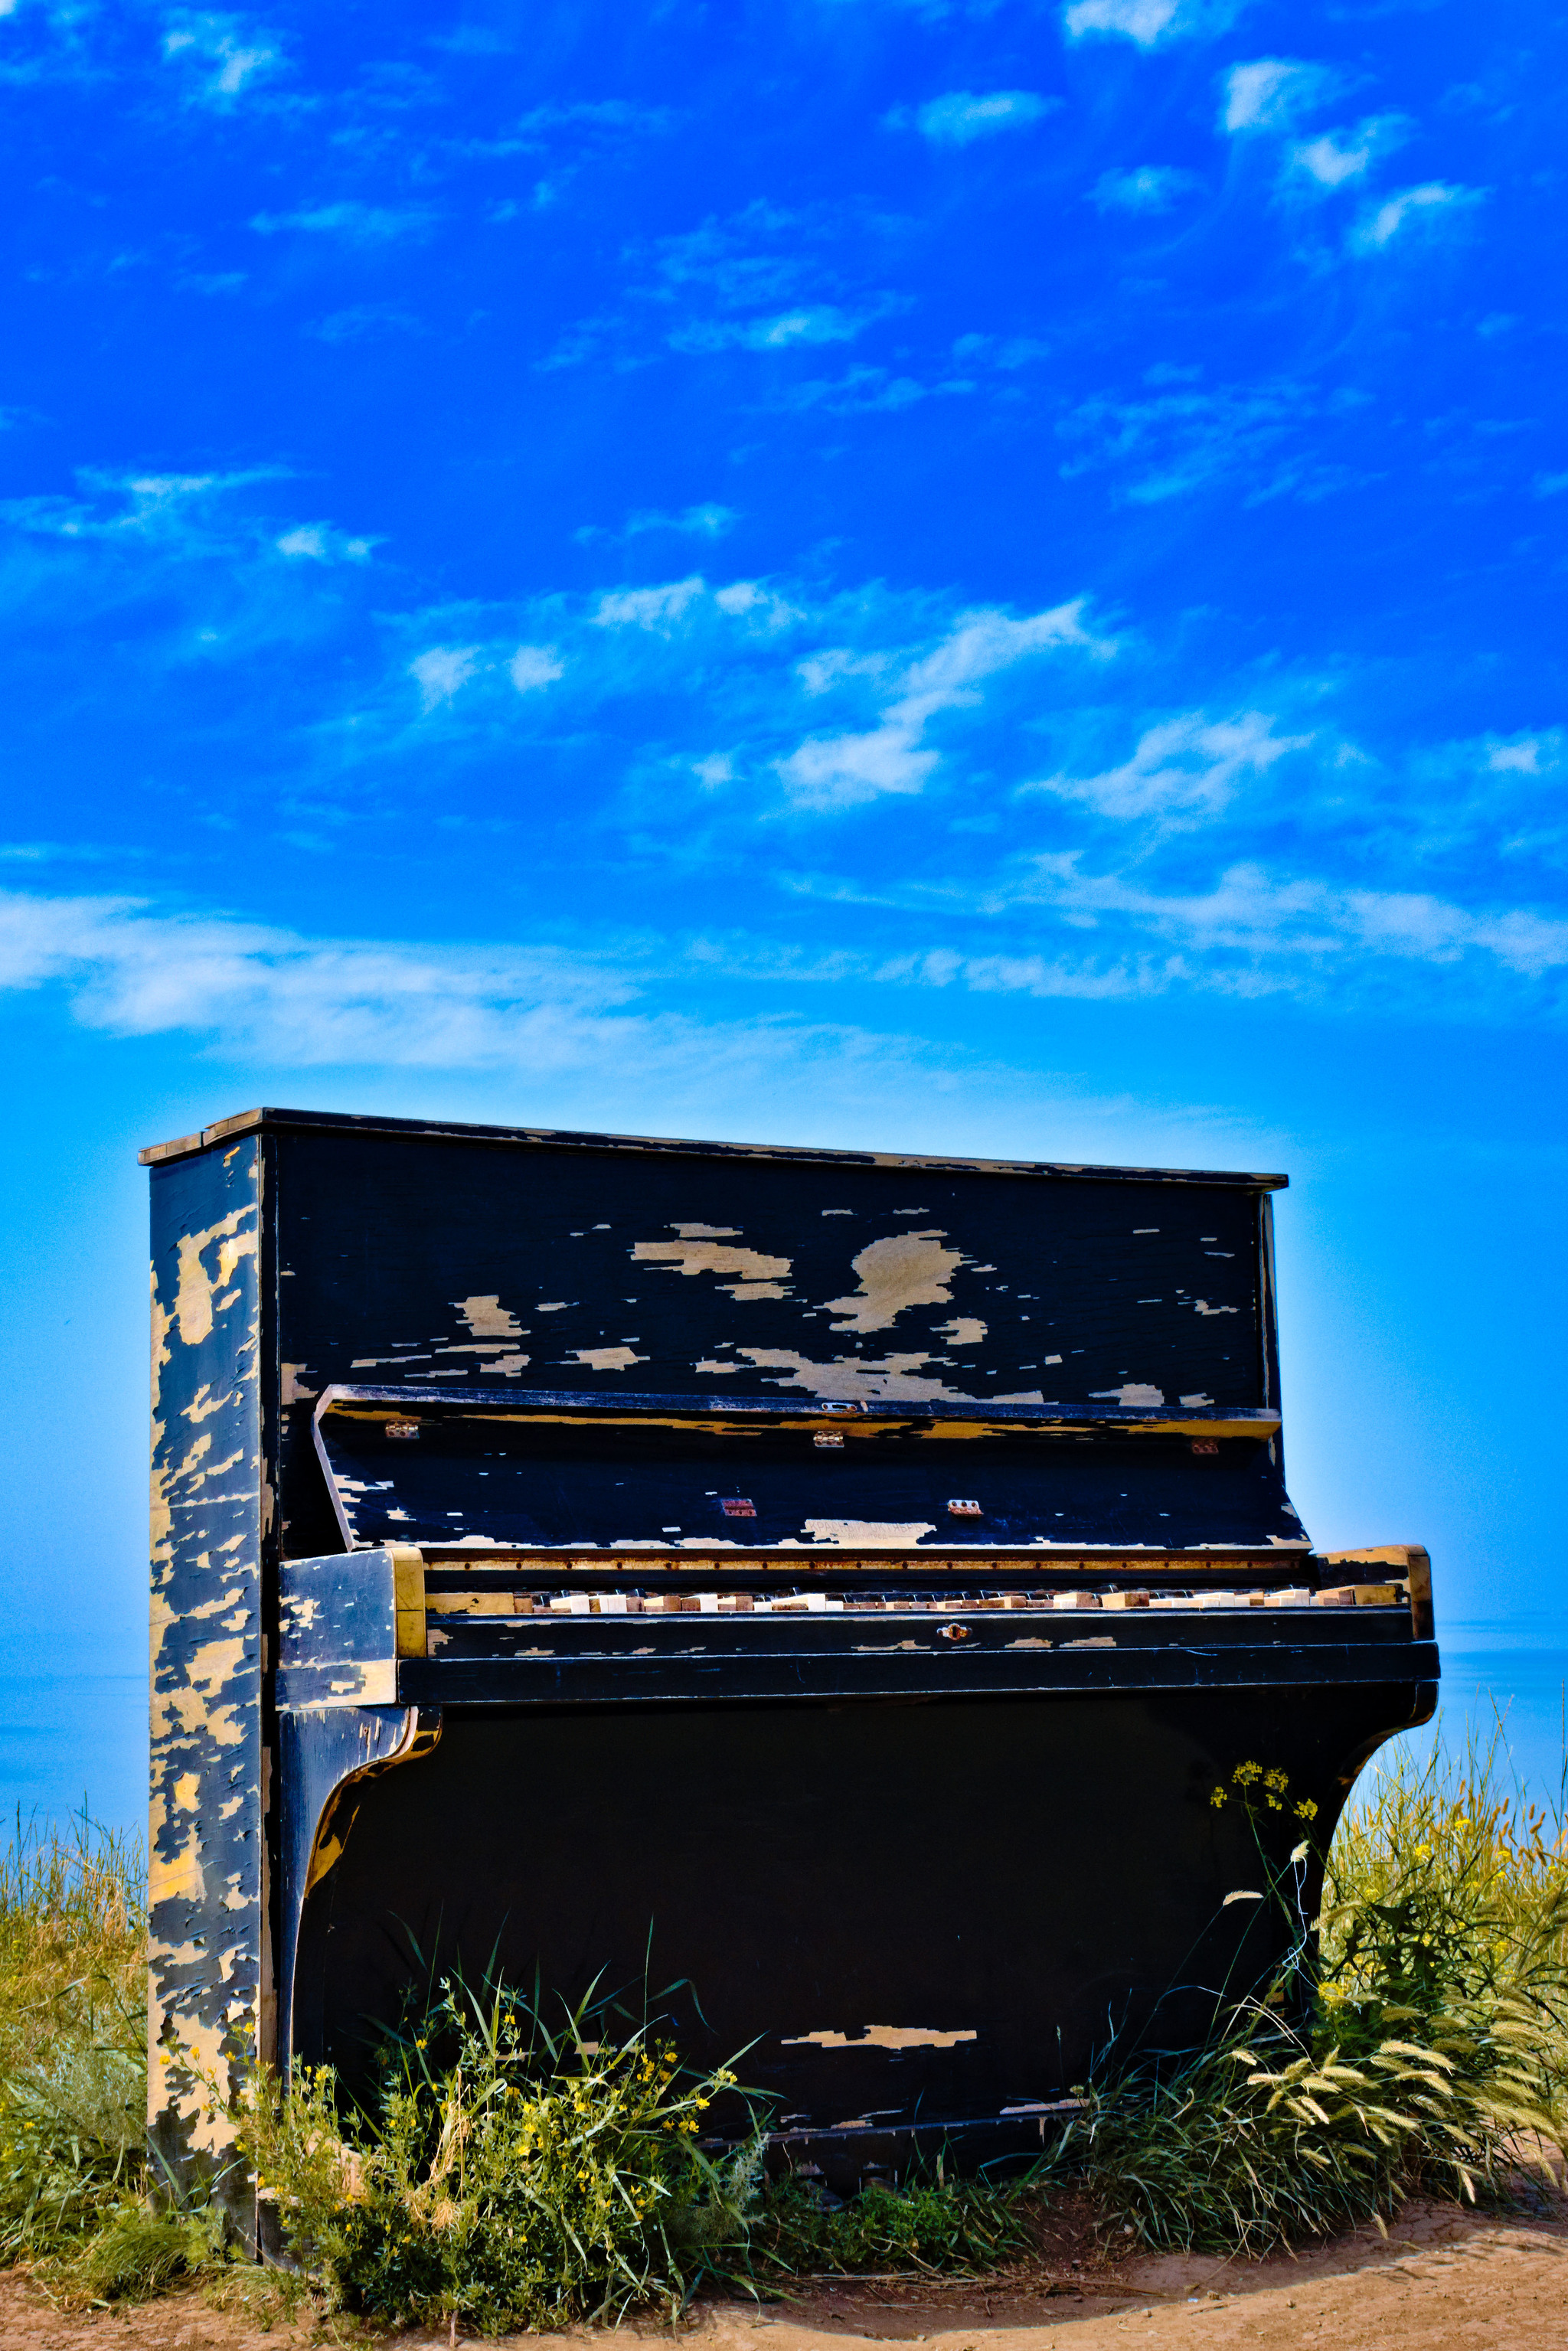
1149,22
1339,156
359,223
710,521
318,542
655,609
813,323
582,1025
137,973
1184,437
1325,161
1143,21
742,597
1188,766
1008,352
1433,200
961,116
867,391
843,771
1151,188
533,667
615,114
1278,924
1523,757
699,522
232,58
846,770
442,672
1269,93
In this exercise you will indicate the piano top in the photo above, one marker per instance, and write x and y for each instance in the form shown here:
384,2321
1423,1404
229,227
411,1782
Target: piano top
317,1122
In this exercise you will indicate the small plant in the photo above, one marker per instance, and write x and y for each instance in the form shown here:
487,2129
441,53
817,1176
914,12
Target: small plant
505,2174
932,2223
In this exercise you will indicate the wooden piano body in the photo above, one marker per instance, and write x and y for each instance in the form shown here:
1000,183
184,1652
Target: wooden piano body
837,1582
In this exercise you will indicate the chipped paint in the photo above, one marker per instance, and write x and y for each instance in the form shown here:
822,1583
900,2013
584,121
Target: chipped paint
760,1276
864,1534
1134,1392
206,1865
879,2036
196,1298
608,1359
963,1330
902,1271
486,1318
892,1379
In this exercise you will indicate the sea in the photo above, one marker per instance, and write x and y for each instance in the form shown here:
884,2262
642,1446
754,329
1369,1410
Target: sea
75,1744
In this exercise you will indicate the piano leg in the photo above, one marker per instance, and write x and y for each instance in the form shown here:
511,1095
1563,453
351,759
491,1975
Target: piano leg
326,1754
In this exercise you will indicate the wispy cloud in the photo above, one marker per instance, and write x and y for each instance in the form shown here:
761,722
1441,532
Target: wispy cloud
617,115
1435,202
1184,769
865,391
582,1024
961,116
1149,22
1271,93
318,542
1276,924
1148,188
846,770
111,506
363,320
1340,156
1183,438
137,973
356,223
655,609
711,521
813,323
532,667
440,672
226,57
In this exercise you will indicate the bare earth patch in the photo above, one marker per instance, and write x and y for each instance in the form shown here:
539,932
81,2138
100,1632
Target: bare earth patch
1446,2280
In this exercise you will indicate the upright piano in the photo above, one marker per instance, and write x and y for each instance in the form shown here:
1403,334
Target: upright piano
834,1584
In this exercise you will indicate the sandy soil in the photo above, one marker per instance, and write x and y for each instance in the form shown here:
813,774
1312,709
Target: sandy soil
1445,2281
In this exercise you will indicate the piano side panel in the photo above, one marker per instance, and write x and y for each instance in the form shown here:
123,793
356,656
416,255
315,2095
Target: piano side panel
501,1265
207,1881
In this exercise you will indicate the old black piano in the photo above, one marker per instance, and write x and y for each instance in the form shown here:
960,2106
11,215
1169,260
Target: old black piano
837,1582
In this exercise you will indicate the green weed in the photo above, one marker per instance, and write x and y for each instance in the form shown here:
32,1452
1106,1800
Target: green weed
1434,2051
932,2222
506,2174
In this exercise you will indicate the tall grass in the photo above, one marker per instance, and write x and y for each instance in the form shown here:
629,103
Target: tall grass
509,2170
73,2064
1433,2050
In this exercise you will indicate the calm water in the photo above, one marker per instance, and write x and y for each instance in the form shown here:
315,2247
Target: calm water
68,1739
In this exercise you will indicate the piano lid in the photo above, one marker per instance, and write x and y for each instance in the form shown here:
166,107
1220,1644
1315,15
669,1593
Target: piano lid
496,1468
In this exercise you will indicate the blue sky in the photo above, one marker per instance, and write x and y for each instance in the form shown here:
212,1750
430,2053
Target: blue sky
986,578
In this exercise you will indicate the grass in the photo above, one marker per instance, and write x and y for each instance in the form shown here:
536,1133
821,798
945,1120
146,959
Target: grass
1433,2052
73,2067
511,2170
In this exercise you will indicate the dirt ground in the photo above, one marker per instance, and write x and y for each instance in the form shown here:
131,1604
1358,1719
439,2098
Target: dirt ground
1445,2280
